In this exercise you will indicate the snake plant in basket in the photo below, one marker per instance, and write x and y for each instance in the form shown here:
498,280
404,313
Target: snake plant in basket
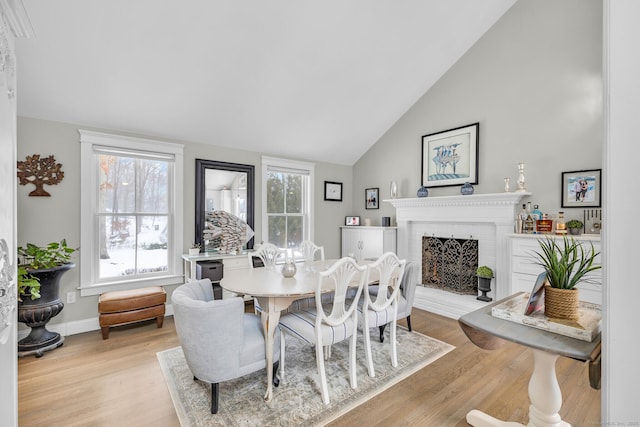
566,263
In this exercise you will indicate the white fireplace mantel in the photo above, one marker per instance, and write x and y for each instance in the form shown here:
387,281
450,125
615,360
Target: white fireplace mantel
488,217
495,202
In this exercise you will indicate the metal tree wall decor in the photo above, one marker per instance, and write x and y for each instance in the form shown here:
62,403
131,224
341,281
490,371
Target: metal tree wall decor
40,171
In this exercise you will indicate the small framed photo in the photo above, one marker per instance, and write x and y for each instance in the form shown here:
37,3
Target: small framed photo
582,189
333,191
371,198
352,220
536,297
450,157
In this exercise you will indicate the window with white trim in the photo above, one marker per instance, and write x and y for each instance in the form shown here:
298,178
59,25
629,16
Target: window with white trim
287,202
131,219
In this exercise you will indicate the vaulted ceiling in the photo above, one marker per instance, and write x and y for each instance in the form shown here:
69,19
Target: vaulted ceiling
317,80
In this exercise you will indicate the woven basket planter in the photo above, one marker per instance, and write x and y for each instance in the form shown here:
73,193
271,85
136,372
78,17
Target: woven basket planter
561,303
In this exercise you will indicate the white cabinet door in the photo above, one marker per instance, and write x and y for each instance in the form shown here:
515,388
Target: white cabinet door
351,242
372,243
368,242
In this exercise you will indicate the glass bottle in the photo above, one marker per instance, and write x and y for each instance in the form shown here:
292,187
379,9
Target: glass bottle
561,226
529,224
523,212
537,216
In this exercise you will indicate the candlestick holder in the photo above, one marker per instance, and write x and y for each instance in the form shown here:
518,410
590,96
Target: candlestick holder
521,179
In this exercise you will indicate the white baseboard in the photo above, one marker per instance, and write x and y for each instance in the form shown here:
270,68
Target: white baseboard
79,326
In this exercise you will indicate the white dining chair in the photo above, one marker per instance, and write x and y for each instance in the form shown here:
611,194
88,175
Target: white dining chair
381,307
325,325
308,250
269,254
407,294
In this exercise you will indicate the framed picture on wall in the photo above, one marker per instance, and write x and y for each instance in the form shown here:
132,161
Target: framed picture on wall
450,157
371,199
333,191
582,189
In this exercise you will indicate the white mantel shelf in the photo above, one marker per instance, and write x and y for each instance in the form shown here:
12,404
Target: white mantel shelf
487,217
471,200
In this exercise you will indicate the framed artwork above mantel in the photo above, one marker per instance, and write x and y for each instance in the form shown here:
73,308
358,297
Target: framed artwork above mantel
450,157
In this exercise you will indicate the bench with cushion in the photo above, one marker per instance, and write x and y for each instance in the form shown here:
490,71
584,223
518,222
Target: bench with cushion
122,307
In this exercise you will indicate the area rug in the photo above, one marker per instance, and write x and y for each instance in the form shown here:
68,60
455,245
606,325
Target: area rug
297,401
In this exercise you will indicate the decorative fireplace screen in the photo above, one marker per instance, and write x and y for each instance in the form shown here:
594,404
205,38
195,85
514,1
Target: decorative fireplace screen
450,264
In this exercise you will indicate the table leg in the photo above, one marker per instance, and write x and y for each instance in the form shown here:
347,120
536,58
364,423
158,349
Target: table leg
544,393
270,318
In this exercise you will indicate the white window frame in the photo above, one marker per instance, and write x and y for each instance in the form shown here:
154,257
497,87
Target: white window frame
89,258
291,166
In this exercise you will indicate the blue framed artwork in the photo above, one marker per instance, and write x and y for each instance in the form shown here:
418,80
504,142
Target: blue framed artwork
450,157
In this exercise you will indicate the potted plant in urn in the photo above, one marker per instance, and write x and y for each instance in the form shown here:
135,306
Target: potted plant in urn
39,271
575,226
484,275
566,263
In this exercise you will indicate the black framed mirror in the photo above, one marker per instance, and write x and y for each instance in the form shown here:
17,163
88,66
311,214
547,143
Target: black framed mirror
223,186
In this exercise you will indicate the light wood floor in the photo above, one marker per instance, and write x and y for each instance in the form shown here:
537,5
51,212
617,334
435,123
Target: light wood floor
118,382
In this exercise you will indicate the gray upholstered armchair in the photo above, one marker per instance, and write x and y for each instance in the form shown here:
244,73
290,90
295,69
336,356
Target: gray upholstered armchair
219,340
407,292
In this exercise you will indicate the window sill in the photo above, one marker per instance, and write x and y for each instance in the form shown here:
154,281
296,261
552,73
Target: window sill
98,289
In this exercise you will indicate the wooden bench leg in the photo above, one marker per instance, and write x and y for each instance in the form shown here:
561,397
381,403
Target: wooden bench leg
105,332
159,321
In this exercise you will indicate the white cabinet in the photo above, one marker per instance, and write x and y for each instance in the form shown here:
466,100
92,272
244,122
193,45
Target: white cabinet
368,242
524,268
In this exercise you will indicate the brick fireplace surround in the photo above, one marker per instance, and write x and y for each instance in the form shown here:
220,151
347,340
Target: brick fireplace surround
485,217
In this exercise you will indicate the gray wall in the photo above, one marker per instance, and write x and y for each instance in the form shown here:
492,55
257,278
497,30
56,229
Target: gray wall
534,82
46,219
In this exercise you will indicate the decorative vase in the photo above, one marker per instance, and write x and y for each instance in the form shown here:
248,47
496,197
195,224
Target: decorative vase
561,303
484,286
289,269
423,192
466,189
394,190
194,251
37,313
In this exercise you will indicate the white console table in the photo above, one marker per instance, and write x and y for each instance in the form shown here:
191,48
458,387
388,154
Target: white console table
230,262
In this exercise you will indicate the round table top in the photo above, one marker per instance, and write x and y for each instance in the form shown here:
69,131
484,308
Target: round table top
269,281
